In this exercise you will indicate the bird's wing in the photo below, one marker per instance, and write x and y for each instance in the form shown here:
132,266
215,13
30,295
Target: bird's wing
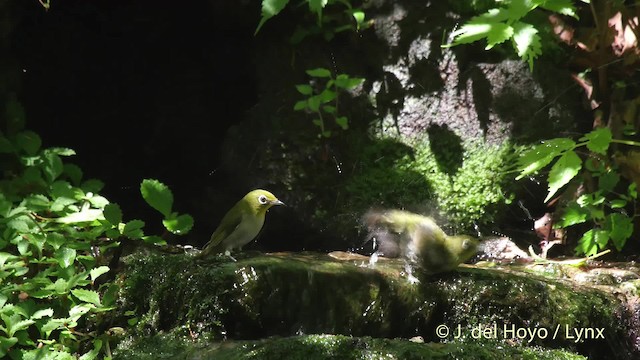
222,232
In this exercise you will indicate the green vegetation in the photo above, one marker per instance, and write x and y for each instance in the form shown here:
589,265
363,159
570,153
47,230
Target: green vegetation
605,206
343,16
468,184
324,102
506,23
57,238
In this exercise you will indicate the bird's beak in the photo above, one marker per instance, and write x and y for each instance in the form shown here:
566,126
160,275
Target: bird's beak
277,202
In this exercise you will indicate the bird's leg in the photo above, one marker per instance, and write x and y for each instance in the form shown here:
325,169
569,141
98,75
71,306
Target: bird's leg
228,253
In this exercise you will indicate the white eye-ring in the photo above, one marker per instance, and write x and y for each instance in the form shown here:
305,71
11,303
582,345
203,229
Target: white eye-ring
262,199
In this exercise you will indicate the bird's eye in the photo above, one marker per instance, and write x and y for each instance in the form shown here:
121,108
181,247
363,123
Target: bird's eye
262,199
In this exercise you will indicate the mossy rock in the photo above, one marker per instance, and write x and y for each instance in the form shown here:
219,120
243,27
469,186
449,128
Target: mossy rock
318,347
285,294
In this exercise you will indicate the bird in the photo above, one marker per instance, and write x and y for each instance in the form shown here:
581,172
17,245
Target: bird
420,240
241,224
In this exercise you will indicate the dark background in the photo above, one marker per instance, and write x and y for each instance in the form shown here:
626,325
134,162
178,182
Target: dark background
141,90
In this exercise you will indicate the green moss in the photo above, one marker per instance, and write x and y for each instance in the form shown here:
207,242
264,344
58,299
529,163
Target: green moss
318,347
287,294
466,183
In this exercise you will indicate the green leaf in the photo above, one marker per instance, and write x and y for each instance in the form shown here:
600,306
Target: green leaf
565,169
96,272
608,181
270,8
28,141
327,96
319,72
541,155
620,229
343,122
5,145
573,214
55,240
598,140
133,229
304,89
632,190
113,214
329,109
359,16
86,215
588,244
97,201
37,202
42,313
52,166
64,189
51,325
618,203
154,240
314,103
88,296
179,225
348,83
92,185
526,42
77,311
73,172
300,105
564,7
93,354
61,151
518,9
499,33
157,195
65,256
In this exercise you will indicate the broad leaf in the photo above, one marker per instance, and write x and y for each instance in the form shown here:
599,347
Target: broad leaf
620,229
565,169
608,181
319,72
29,142
65,256
113,214
157,195
179,225
133,229
88,296
598,140
270,8
304,89
96,272
527,42
541,155
564,7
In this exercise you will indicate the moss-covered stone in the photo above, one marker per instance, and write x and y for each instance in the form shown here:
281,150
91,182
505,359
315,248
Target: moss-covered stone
317,347
285,294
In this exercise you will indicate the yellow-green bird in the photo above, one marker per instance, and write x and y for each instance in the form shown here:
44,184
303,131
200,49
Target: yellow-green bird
419,239
241,224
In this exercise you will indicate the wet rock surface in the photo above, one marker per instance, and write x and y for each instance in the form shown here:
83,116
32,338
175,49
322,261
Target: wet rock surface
550,306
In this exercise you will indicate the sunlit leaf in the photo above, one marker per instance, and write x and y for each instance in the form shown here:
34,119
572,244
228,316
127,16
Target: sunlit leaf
564,7
88,296
565,169
96,272
93,353
65,256
179,225
86,215
541,155
157,195
598,140
270,8
588,244
526,42
42,313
